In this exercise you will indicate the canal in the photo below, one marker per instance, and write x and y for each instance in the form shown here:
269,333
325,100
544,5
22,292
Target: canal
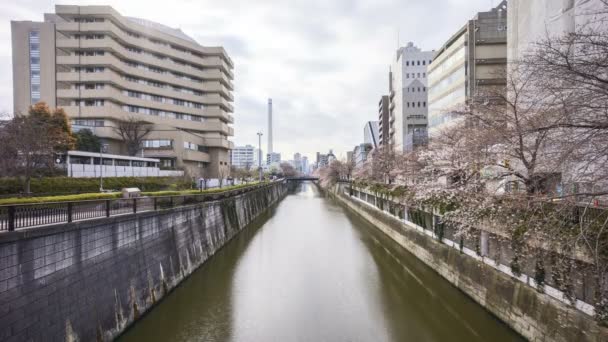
311,271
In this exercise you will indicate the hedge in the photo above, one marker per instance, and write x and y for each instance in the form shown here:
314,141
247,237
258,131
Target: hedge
94,196
67,185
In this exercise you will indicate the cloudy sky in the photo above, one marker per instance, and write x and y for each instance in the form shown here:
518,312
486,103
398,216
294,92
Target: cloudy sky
323,62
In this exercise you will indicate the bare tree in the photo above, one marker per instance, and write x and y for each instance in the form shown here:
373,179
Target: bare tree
133,131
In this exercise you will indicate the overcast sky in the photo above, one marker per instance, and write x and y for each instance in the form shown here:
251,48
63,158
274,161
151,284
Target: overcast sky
324,62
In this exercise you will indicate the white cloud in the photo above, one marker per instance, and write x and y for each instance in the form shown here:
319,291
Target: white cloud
324,63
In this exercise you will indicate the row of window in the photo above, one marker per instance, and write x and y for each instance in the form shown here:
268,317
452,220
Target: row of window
415,75
88,122
89,53
136,35
162,71
163,85
88,36
162,99
34,44
416,104
109,162
89,69
195,147
162,113
88,86
162,57
415,89
89,103
157,143
413,63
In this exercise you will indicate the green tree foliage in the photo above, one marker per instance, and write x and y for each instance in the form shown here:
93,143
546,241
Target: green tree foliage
87,141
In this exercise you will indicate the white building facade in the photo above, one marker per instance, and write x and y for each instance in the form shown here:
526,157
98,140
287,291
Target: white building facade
245,157
408,94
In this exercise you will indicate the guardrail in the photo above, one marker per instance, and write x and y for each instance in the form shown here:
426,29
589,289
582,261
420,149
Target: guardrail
20,216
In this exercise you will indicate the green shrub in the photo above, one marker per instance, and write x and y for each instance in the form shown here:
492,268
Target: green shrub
67,185
79,197
94,196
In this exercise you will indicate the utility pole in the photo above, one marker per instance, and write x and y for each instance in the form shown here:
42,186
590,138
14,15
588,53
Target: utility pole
260,155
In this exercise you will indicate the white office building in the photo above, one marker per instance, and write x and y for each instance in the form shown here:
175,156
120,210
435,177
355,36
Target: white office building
245,157
408,96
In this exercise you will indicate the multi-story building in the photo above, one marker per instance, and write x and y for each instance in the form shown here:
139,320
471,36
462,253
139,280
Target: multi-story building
370,133
297,162
360,153
530,21
245,157
473,59
408,94
103,68
325,159
383,121
273,158
305,165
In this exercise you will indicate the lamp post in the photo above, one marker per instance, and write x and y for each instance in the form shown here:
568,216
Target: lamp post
260,155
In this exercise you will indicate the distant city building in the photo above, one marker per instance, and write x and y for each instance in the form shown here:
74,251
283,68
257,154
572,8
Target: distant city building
360,153
383,121
273,158
408,93
102,67
471,60
305,165
325,159
297,162
245,157
370,133
349,157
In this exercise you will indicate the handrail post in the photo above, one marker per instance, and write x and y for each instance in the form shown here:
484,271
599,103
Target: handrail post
11,218
134,205
171,197
70,204
155,203
107,208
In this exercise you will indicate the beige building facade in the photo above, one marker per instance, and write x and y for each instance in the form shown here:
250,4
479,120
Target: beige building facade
475,57
102,67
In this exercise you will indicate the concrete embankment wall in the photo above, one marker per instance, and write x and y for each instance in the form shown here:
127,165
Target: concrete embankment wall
534,315
88,281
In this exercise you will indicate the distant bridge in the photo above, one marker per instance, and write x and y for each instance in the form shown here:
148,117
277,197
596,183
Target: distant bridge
302,179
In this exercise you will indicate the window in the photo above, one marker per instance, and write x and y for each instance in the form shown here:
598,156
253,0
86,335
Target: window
88,122
423,62
122,162
138,163
407,63
418,75
424,104
418,62
407,75
34,43
158,143
424,74
157,98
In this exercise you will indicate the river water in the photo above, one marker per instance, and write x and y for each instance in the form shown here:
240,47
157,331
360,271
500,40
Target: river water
310,271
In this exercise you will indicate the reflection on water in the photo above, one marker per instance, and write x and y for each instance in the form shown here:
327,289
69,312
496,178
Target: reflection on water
310,271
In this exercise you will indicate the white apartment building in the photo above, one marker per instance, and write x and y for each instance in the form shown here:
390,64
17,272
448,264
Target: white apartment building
408,95
245,157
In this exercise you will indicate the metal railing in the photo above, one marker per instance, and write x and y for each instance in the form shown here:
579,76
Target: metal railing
20,216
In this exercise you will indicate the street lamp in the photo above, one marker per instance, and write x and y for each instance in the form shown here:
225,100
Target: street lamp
260,155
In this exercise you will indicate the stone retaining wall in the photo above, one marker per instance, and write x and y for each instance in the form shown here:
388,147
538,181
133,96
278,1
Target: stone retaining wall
536,316
88,281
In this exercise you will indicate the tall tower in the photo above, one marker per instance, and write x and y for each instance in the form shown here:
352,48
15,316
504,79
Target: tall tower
270,126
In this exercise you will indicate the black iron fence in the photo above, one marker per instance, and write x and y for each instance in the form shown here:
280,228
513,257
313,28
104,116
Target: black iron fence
19,216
